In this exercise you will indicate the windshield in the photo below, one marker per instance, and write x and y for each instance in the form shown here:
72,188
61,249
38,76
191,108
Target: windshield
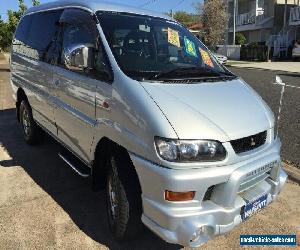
155,48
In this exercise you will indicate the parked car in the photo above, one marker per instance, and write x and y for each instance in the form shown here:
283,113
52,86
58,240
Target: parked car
296,51
222,59
178,142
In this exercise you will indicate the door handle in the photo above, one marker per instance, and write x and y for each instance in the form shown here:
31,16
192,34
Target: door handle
105,105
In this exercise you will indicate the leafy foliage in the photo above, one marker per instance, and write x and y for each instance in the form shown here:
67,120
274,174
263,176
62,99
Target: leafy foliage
214,19
4,39
184,18
7,29
240,39
35,2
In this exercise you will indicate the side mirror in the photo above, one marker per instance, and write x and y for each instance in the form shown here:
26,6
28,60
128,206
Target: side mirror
84,58
80,57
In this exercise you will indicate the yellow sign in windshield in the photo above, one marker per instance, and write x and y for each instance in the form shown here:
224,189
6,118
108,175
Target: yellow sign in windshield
206,58
173,37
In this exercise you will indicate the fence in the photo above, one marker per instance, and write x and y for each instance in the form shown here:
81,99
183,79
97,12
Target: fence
231,51
254,53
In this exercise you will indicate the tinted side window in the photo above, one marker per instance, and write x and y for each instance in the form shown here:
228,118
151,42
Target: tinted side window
23,29
82,50
42,33
21,36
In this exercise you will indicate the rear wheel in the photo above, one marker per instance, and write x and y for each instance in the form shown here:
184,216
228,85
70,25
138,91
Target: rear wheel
33,134
124,205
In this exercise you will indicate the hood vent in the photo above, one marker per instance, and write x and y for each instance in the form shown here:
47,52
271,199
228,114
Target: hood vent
200,79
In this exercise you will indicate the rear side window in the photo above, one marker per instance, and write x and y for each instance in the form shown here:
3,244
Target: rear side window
23,29
43,29
21,36
35,34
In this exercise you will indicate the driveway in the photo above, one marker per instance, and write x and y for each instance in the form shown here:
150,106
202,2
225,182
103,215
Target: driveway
45,205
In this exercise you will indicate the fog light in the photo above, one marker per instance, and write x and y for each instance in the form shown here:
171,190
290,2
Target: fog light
179,196
202,234
196,235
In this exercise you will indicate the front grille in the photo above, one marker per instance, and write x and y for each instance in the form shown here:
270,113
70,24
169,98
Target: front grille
249,143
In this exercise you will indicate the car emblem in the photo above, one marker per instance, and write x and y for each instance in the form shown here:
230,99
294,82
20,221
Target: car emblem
252,142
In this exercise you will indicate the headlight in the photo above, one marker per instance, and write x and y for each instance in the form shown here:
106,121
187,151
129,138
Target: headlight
190,150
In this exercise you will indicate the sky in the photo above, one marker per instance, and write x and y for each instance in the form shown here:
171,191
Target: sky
156,5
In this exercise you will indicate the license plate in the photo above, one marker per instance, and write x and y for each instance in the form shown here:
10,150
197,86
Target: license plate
253,207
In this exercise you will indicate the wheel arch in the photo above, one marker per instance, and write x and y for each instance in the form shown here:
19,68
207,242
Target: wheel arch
103,150
20,97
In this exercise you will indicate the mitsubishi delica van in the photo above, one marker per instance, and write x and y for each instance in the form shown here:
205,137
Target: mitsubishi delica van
142,107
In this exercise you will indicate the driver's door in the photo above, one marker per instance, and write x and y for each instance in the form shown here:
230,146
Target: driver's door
75,86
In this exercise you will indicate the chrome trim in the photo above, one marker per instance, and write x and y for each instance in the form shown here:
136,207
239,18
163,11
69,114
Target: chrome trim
60,8
72,166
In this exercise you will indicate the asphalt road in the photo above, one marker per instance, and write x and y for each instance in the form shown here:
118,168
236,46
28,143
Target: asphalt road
289,126
45,205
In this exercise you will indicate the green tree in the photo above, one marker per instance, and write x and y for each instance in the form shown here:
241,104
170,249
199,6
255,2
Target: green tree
4,40
184,18
14,18
214,20
35,2
240,39
7,29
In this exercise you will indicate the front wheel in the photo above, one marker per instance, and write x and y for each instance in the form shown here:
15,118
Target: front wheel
124,205
33,134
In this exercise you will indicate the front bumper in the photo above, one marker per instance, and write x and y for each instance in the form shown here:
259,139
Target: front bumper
230,187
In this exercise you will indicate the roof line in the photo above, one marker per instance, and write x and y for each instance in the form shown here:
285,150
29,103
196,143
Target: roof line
94,5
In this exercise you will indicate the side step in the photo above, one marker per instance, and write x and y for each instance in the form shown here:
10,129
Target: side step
77,165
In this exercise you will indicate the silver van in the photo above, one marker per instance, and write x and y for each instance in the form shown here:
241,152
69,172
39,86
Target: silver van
140,105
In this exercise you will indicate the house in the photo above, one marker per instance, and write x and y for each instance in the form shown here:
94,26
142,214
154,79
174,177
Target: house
261,20
196,29
294,22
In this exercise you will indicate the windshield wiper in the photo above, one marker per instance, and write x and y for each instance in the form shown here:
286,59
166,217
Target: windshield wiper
187,71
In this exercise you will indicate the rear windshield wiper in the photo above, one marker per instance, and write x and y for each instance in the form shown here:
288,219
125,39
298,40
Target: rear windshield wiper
199,71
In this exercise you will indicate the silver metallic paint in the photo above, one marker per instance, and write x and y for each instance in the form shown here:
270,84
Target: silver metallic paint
73,105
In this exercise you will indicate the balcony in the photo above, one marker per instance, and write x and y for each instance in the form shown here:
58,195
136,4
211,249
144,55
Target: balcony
250,18
295,16
245,19
251,21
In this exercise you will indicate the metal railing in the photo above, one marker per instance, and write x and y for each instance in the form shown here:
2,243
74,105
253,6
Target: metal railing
282,42
294,15
250,18
246,18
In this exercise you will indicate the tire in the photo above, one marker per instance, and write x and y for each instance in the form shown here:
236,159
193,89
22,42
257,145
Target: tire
33,134
123,196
